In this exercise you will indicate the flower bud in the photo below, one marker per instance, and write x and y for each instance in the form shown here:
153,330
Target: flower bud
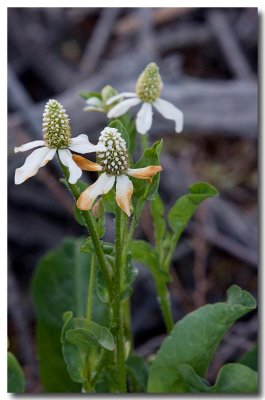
55,127
149,84
115,159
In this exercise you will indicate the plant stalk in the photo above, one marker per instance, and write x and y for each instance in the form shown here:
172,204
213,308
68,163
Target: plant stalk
117,306
91,230
90,291
144,142
164,302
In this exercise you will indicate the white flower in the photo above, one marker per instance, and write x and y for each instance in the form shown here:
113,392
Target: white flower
57,137
115,168
147,91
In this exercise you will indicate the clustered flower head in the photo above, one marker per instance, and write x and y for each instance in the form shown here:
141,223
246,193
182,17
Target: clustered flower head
115,167
147,91
56,138
115,160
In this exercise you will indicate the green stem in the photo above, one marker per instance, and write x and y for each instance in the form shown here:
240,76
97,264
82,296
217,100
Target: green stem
164,302
126,307
91,230
90,291
117,306
144,142
170,254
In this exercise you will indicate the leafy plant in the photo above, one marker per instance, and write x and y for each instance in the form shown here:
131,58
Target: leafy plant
81,291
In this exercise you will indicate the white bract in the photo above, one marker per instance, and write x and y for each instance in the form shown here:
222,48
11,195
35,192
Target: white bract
115,167
147,91
57,137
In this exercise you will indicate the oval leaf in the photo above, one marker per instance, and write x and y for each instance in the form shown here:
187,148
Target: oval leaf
194,340
185,206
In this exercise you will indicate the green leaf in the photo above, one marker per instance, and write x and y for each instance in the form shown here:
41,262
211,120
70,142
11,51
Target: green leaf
59,284
121,128
16,380
194,340
86,95
88,247
87,337
81,346
74,356
102,335
129,122
144,253
250,358
194,382
157,212
137,370
236,378
185,206
142,189
231,378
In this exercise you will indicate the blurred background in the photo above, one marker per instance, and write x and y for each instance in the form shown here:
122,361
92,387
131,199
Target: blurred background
208,61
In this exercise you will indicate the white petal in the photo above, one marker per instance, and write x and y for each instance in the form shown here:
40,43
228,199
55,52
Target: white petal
94,104
82,145
144,118
124,191
169,111
66,159
102,185
93,108
28,146
120,96
37,159
94,101
123,107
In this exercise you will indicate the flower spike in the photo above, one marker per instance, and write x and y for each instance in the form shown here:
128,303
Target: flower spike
56,138
147,92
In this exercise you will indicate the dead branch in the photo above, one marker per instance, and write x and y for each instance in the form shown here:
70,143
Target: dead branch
229,44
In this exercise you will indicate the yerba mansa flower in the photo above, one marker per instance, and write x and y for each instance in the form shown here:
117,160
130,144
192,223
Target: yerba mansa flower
147,91
115,167
56,137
